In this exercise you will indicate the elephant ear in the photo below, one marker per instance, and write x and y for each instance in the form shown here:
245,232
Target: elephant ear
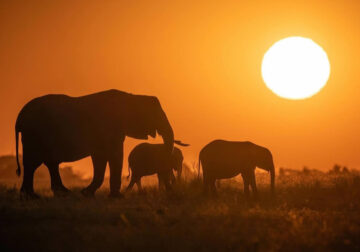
139,117
254,154
260,156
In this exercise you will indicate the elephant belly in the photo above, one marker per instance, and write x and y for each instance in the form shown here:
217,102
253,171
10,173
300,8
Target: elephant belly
227,173
222,171
69,154
57,150
144,170
147,163
65,129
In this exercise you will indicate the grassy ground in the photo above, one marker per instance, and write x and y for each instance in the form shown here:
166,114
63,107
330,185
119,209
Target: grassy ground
310,212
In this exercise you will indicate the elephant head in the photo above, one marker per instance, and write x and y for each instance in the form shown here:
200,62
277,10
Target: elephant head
264,160
144,116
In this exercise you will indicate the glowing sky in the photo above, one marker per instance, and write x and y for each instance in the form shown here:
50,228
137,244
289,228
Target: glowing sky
203,61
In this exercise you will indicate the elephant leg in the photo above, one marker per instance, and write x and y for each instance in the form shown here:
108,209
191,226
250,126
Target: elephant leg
172,178
246,185
164,180
116,163
213,187
130,186
253,183
134,179
99,164
138,183
206,184
160,181
30,164
218,183
168,186
56,184
27,187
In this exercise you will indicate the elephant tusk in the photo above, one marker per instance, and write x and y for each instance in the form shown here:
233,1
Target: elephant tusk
178,142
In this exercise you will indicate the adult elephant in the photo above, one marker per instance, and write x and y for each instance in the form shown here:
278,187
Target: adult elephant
222,159
60,128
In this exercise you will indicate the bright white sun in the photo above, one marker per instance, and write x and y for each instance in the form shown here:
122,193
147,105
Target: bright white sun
295,68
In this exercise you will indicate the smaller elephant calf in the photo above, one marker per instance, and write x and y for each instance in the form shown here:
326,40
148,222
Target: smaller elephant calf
148,159
221,159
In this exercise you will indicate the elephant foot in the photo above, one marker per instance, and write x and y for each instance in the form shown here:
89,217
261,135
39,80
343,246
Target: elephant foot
116,195
210,194
63,192
214,195
28,195
142,191
205,193
169,190
126,191
88,193
273,194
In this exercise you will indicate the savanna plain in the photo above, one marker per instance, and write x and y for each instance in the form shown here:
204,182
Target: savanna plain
312,210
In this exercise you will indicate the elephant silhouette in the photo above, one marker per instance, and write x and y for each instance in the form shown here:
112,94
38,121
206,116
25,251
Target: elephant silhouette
148,159
59,128
222,159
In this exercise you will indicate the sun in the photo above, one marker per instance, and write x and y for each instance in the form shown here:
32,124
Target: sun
295,68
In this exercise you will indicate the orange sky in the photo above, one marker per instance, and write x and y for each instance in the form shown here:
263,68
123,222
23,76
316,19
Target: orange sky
203,61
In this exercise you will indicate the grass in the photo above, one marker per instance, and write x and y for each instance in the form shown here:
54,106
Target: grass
310,212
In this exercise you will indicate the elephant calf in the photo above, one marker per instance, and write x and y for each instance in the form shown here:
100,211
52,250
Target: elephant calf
148,159
225,159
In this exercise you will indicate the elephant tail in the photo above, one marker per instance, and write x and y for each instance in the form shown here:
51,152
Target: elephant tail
18,170
199,163
129,170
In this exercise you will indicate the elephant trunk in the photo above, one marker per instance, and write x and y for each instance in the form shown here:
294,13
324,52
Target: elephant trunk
179,173
272,178
164,129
